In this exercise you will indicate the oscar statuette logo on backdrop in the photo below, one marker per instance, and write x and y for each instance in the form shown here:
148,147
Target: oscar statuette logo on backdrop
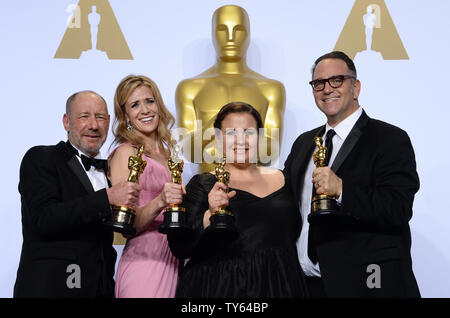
93,31
370,31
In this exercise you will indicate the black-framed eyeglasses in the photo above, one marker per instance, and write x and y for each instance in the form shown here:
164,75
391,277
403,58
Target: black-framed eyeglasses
334,81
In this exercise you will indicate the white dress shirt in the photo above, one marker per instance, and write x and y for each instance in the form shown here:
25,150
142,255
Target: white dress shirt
342,130
96,176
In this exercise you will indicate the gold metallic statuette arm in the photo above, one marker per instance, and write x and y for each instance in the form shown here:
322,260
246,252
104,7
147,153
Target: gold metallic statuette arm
221,174
320,154
136,165
175,165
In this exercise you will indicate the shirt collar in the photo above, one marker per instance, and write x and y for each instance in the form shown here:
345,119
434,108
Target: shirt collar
344,127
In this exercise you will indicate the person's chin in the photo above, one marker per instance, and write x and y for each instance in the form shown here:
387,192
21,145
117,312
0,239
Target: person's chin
241,158
231,56
92,148
147,130
330,110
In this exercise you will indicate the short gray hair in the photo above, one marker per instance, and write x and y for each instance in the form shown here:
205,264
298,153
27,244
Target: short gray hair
72,97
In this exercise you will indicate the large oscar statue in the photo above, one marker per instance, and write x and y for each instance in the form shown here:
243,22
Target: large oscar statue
123,217
323,207
174,215
230,79
222,221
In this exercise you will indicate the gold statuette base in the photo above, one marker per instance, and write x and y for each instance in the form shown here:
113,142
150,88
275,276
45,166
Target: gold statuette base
222,211
122,220
222,220
174,220
322,206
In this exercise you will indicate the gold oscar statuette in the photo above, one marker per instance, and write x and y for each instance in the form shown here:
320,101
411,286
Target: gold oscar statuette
222,220
122,216
321,204
230,79
174,215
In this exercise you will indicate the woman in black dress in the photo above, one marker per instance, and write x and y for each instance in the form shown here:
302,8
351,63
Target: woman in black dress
261,261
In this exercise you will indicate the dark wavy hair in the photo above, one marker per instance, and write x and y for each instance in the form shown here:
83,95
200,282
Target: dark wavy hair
237,107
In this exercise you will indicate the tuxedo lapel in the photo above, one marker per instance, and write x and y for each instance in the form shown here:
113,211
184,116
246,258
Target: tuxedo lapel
75,165
79,171
350,141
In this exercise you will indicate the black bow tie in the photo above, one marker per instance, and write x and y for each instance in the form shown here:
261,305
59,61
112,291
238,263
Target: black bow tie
100,164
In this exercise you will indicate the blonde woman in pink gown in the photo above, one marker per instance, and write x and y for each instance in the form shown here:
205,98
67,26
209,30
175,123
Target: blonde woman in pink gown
147,267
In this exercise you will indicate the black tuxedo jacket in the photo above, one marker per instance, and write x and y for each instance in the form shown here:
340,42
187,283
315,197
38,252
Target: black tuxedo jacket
62,225
378,169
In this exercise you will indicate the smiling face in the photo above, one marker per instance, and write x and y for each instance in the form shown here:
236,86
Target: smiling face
240,138
142,111
336,103
87,123
231,32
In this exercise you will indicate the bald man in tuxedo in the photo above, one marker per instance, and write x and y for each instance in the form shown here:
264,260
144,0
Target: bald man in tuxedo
67,251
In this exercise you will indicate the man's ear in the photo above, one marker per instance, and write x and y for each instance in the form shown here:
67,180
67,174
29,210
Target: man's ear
356,89
66,122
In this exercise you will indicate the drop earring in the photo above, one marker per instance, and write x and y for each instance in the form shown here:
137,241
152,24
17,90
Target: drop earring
129,127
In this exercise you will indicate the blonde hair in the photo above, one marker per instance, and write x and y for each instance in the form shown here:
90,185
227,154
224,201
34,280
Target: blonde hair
166,120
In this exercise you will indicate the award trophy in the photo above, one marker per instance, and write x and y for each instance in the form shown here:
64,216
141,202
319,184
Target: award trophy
123,217
321,204
174,215
222,220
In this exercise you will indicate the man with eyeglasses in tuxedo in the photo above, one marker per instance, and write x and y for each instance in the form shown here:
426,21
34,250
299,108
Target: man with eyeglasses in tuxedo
363,250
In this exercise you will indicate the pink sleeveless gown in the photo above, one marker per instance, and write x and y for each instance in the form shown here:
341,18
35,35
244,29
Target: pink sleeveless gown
147,268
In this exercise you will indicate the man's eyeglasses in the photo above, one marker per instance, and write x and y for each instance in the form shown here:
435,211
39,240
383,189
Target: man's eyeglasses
334,81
